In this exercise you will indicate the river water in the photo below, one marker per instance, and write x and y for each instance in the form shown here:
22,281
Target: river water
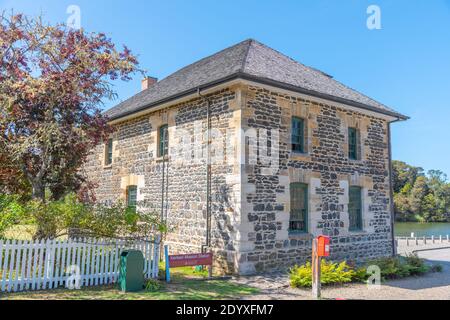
403,229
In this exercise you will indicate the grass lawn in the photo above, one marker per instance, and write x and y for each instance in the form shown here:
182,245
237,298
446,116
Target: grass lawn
20,232
186,285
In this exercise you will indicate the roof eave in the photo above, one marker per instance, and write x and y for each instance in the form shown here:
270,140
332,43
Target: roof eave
264,81
320,95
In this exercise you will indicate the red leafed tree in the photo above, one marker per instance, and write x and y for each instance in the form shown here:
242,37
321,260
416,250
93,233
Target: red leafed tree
11,178
53,80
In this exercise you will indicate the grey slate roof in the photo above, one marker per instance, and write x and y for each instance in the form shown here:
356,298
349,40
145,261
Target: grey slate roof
249,60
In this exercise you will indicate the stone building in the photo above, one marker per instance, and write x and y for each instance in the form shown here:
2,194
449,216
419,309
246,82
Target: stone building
293,154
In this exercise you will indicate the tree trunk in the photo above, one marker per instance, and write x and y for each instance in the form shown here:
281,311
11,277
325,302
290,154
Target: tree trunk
38,193
38,190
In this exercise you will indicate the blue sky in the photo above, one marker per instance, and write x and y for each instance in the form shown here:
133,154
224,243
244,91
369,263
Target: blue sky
405,65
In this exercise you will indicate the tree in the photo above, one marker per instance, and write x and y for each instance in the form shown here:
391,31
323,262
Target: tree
401,207
440,188
53,81
420,197
11,178
403,173
429,208
418,193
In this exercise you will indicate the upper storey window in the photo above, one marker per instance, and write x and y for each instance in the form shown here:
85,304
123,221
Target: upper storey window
298,135
163,148
109,152
353,148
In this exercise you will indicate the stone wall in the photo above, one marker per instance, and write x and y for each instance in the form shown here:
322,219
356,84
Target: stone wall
181,177
266,242
250,201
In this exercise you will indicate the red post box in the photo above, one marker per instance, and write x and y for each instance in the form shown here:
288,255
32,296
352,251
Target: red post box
323,246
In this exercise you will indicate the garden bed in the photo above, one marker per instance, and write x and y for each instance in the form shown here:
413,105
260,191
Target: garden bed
341,273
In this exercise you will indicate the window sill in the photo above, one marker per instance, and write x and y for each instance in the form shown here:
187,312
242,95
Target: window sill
357,232
300,235
299,155
108,167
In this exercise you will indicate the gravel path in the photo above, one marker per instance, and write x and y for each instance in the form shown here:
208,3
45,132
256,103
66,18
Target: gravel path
433,286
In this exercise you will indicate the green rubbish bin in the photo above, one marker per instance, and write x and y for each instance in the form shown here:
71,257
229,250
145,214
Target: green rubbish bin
131,276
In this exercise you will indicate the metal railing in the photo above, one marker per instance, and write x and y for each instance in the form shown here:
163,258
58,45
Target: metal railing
425,240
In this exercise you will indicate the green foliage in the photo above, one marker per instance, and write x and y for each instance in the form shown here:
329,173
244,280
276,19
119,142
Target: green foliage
417,195
420,197
153,285
436,268
201,271
339,273
404,174
55,219
361,275
332,273
400,267
11,211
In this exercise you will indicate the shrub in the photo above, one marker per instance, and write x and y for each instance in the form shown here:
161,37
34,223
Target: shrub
153,285
332,273
415,264
436,268
391,267
361,275
11,212
400,267
69,216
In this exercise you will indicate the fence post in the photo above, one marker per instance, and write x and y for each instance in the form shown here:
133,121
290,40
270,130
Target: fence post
156,250
417,241
440,238
407,242
316,285
166,253
11,264
425,240
432,239
1,259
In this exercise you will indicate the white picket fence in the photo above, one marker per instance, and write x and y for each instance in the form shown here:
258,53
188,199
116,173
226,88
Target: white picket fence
40,265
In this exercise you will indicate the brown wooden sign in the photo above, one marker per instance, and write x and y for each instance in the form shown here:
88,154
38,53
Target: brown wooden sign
194,259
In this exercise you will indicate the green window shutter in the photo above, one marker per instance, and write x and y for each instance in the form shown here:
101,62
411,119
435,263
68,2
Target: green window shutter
163,141
298,135
299,208
355,208
132,196
109,154
353,143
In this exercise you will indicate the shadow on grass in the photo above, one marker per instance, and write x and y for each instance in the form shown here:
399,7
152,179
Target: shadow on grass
179,289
